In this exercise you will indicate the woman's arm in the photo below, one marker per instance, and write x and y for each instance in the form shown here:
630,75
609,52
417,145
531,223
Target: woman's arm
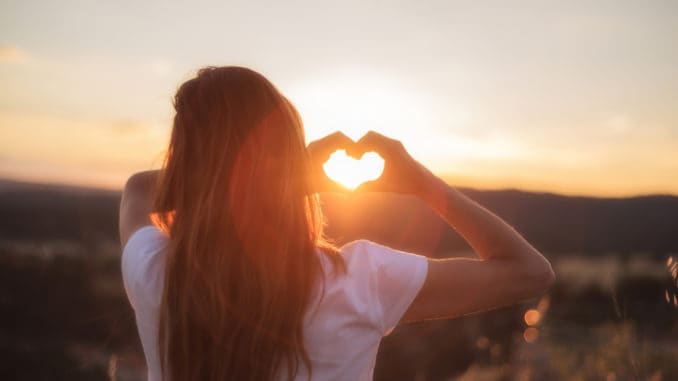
509,268
136,204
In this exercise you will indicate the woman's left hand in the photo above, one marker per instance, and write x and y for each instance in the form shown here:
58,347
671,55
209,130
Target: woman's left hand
319,152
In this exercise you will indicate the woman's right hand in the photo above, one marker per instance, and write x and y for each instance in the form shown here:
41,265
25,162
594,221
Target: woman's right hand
402,173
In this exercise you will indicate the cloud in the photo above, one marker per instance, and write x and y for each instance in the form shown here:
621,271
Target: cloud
12,54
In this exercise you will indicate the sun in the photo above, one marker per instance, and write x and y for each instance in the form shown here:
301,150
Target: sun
350,172
357,101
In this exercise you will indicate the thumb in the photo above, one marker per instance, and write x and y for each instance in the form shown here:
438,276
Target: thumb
369,186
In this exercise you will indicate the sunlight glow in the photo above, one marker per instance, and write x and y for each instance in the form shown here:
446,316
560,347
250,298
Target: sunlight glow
357,100
350,172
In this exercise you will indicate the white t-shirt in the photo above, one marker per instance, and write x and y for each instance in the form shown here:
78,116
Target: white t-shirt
342,330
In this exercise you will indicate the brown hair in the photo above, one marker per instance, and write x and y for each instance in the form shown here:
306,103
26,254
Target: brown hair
244,230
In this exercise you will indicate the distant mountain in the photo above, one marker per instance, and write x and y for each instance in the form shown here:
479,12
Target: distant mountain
41,213
554,223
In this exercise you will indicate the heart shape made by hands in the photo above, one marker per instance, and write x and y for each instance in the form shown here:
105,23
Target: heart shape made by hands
350,172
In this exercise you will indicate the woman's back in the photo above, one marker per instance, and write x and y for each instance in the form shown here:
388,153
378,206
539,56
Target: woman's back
349,314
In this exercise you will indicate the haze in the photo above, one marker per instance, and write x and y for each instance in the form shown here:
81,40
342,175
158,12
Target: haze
567,98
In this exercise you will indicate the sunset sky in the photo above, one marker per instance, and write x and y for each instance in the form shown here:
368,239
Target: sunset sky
568,98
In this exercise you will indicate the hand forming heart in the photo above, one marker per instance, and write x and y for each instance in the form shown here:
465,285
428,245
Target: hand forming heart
335,171
384,166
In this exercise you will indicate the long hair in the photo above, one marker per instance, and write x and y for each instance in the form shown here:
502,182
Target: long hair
244,231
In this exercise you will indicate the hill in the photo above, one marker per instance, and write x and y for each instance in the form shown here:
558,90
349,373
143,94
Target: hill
67,317
554,223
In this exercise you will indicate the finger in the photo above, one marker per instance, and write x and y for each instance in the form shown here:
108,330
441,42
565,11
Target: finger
331,186
338,138
369,186
368,142
371,141
325,146
374,141
320,183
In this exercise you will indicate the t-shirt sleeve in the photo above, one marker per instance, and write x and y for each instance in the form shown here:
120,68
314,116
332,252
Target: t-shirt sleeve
142,266
394,279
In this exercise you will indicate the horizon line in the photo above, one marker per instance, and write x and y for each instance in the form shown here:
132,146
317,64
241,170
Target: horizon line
103,188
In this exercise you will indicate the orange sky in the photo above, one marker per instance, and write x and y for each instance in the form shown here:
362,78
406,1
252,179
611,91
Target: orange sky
575,99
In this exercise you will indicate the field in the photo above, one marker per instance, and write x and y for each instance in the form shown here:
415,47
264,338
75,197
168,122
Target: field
610,316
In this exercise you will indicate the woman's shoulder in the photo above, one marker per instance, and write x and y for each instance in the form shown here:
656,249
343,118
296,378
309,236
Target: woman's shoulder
361,247
357,245
147,240
381,281
142,262
364,250
365,258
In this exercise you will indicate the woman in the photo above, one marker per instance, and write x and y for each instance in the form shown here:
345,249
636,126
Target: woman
225,263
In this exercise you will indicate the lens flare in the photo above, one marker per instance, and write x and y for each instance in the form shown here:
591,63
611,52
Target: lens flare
483,342
671,292
530,335
532,317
